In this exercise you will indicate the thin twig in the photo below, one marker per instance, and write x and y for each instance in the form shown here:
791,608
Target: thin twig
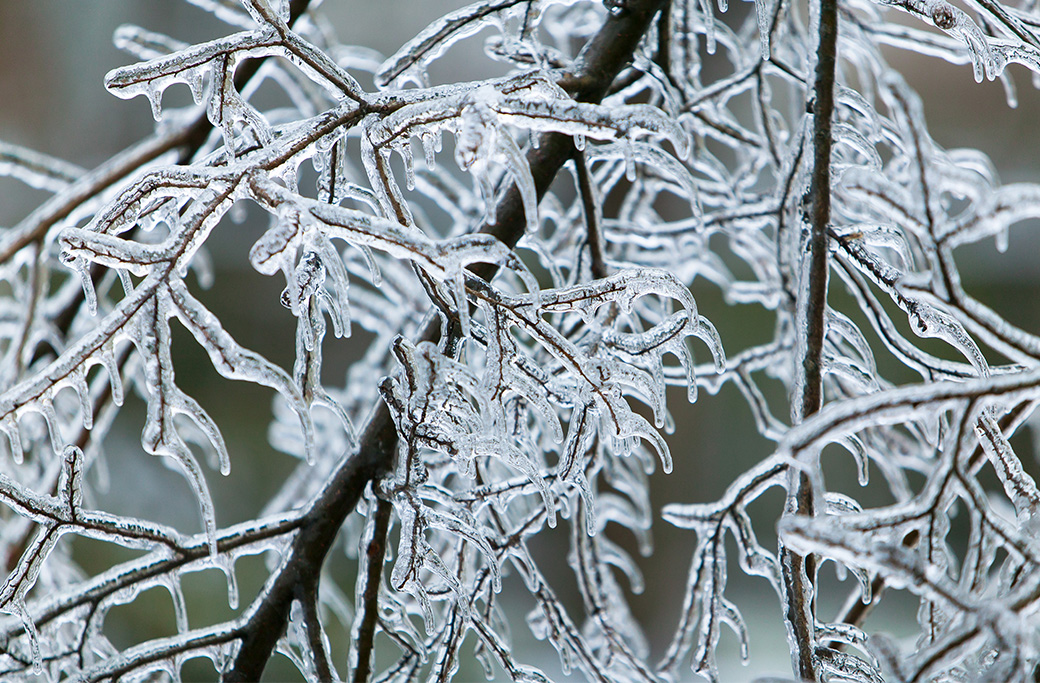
314,631
593,220
376,554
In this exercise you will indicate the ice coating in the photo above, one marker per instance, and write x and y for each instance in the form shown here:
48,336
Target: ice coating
520,339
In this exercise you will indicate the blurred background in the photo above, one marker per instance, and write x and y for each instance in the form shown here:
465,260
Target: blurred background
54,55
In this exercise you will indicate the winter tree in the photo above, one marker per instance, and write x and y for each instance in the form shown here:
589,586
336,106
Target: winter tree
518,261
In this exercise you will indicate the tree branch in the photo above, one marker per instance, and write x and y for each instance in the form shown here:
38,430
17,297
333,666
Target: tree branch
798,571
590,209
599,63
820,192
313,630
188,140
376,555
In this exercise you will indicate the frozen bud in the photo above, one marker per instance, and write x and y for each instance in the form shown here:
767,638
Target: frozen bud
943,17
308,278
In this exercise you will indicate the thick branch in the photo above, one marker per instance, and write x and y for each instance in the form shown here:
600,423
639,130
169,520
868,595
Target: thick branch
799,572
816,304
317,534
599,63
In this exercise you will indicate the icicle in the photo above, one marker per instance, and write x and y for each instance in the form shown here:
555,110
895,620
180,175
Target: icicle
487,192
732,617
405,151
209,428
50,416
430,143
930,321
108,359
521,173
78,379
196,85
374,274
708,18
18,608
154,95
461,302
588,500
1001,240
9,425
1009,90
763,11
81,267
207,511
226,564
180,609
126,282
340,284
